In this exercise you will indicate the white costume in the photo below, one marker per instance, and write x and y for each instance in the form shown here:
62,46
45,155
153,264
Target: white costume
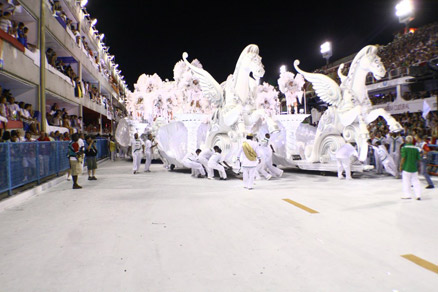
214,163
266,150
249,167
203,158
386,159
379,166
343,156
394,148
191,161
148,155
136,149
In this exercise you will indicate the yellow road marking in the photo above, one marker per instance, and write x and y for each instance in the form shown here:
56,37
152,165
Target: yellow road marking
301,206
421,262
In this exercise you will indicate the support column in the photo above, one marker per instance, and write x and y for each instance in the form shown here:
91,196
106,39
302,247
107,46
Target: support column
42,46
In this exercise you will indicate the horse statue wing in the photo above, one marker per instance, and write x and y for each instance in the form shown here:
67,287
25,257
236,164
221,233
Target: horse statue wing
211,89
325,87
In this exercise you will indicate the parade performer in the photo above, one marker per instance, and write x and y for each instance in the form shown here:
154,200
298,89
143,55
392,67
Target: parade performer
343,159
385,159
137,149
215,163
203,158
75,158
148,152
190,160
249,156
268,150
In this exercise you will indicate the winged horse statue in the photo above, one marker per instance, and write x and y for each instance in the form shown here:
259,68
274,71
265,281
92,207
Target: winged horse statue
350,109
236,112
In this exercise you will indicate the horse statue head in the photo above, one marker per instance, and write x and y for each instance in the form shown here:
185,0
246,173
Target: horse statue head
368,60
249,63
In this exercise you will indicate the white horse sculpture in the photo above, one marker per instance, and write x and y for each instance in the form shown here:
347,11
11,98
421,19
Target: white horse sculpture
236,112
350,109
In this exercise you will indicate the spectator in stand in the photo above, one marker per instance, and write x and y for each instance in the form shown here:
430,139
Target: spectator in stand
5,22
56,121
78,87
66,123
51,57
26,117
28,137
21,37
14,109
4,111
43,137
6,137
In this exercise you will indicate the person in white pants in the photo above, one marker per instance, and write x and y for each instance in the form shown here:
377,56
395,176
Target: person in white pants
410,156
148,153
215,163
268,150
343,159
387,161
190,160
394,140
137,149
203,158
249,156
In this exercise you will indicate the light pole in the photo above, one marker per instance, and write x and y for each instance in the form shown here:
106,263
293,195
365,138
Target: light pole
326,51
405,12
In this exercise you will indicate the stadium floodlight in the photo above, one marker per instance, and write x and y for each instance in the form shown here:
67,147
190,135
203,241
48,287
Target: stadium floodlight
283,69
102,36
93,22
84,3
326,51
405,11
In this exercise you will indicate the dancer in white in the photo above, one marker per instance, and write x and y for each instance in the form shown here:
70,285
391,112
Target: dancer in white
394,140
215,163
137,149
386,159
203,158
343,158
249,156
190,160
148,153
268,150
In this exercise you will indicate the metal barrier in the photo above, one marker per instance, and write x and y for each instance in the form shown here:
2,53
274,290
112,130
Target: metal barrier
27,162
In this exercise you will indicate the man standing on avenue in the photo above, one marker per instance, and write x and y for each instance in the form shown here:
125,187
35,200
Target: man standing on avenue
249,159
410,156
137,149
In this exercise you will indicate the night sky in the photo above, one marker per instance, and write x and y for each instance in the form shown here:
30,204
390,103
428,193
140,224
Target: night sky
150,36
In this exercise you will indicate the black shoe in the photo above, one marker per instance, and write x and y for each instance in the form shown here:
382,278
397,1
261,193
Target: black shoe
430,187
93,178
418,199
77,187
223,179
90,178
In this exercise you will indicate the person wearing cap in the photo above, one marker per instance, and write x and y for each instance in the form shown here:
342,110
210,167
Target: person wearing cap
267,151
249,158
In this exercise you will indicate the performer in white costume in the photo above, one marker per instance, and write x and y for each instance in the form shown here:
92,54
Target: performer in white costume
267,150
379,165
215,163
249,156
137,149
386,159
203,158
148,153
343,158
190,160
394,140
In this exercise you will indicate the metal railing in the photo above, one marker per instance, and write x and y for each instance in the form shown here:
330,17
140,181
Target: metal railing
28,162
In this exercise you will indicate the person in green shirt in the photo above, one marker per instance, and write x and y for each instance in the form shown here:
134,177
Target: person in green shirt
410,156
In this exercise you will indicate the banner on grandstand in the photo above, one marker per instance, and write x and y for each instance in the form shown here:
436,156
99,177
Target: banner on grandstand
400,106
